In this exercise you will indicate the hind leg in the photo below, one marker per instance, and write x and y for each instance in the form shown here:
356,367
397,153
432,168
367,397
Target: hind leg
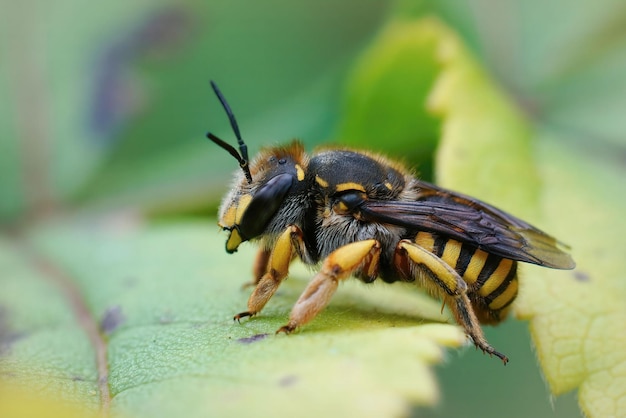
436,275
339,265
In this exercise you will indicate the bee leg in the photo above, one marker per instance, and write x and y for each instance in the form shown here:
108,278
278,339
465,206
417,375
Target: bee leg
441,278
260,267
339,265
276,269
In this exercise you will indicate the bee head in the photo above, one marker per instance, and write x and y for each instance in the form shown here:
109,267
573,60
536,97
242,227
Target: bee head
258,192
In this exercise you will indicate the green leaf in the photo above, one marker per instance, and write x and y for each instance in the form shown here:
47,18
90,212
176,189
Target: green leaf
490,150
115,111
154,305
148,306
49,80
385,107
482,133
559,60
575,317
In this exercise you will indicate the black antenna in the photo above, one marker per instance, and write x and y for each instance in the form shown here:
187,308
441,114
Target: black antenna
243,148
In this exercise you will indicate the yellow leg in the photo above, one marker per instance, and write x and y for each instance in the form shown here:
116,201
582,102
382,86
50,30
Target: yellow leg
276,268
442,279
339,265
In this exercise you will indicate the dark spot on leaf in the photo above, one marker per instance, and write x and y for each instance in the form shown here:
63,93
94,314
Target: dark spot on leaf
7,335
112,319
288,381
253,339
78,379
581,276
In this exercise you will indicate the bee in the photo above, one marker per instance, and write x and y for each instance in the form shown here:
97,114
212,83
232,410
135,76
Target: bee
362,215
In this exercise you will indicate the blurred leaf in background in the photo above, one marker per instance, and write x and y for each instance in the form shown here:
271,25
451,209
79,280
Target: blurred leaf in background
112,105
102,121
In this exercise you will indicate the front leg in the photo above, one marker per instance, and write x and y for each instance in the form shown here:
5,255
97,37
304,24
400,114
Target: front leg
339,265
276,266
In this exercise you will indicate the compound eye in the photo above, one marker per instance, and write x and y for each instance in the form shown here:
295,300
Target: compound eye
264,205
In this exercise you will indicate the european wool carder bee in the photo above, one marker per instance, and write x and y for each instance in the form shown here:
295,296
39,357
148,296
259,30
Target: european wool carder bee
360,214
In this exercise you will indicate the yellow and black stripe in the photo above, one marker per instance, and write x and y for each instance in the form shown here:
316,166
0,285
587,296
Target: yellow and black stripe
492,280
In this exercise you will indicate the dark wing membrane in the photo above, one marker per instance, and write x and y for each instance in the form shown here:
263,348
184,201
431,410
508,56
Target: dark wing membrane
469,220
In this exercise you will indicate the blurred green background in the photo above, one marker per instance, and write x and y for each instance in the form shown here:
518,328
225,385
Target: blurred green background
105,105
108,104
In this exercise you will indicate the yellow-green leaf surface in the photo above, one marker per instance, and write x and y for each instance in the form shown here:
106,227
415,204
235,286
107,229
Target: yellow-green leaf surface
22,403
136,320
574,191
578,320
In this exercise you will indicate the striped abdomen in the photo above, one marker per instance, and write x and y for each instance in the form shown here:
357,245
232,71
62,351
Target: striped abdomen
491,279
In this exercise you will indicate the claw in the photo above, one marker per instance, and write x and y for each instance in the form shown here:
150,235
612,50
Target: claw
242,315
287,329
502,357
492,352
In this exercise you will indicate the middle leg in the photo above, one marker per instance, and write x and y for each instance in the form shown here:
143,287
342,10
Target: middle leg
339,265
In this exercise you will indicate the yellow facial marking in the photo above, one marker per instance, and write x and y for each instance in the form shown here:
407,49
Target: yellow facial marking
350,186
229,217
321,181
242,205
388,185
233,241
300,172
